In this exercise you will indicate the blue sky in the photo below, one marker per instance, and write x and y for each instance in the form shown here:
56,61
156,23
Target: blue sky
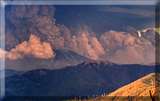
102,18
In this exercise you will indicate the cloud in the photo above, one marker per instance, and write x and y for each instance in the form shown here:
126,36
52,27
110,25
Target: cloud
111,40
40,21
124,48
97,47
85,44
134,55
37,19
85,48
10,40
129,55
118,47
138,11
34,47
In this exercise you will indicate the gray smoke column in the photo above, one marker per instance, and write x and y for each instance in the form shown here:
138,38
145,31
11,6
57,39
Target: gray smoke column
22,20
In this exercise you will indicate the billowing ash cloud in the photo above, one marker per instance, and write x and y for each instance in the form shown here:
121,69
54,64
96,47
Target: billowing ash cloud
85,45
97,47
118,47
34,47
134,55
124,48
39,20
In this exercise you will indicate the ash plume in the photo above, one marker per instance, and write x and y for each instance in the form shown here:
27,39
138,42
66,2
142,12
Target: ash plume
31,19
34,47
117,47
124,48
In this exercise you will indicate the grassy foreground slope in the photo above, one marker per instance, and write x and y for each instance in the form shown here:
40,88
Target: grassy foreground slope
143,89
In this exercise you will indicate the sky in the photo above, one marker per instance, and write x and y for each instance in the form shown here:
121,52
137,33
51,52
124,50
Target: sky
102,18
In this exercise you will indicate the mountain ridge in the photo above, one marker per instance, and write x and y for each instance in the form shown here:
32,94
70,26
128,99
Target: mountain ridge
79,80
